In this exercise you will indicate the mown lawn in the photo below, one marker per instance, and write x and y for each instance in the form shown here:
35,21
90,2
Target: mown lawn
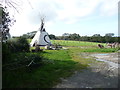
56,64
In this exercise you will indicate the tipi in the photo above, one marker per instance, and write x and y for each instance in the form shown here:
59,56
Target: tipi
41,38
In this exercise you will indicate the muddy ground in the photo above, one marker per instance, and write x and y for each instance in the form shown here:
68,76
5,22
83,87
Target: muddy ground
98,75
113,57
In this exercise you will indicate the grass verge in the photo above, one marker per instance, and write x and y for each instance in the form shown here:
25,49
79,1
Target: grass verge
56,65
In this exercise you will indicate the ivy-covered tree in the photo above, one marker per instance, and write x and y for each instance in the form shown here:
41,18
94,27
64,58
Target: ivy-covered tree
6,22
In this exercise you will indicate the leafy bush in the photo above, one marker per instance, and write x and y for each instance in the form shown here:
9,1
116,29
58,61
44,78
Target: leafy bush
5,53
20,60
14,46
36,59
23,45
19,45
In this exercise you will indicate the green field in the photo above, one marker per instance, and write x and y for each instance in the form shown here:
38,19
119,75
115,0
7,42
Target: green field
73,43
56,64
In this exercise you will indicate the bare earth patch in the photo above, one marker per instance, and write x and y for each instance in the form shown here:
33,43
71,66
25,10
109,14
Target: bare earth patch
98,75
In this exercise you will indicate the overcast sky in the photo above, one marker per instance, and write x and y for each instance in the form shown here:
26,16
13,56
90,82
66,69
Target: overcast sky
84,17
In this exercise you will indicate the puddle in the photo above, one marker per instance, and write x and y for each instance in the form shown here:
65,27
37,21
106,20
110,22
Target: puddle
108,58
102,54
112,64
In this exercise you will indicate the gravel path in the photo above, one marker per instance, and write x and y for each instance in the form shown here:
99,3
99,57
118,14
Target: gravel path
98,75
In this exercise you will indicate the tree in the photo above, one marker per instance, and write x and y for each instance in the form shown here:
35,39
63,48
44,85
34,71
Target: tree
74,36
96,35
109,34
66,34
109,37
52,36
6,23
29,35
96,38
11,4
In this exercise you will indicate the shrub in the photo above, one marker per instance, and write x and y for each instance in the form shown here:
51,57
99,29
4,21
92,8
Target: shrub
37,59
18,45
5,53
20,60
14,46
23,45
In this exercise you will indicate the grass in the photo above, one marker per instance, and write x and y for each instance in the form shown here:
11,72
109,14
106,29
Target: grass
85,46
29,40
56,64
73,43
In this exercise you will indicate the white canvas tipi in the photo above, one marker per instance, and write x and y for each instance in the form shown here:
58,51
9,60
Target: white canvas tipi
41,38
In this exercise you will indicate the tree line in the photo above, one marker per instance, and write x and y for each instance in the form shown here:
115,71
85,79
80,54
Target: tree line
108,38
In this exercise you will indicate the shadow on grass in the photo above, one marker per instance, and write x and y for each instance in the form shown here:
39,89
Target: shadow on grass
45,76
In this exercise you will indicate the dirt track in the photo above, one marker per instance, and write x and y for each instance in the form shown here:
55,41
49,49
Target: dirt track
98,75
113,57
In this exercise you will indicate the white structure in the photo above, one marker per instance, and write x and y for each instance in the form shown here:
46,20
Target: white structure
41,38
